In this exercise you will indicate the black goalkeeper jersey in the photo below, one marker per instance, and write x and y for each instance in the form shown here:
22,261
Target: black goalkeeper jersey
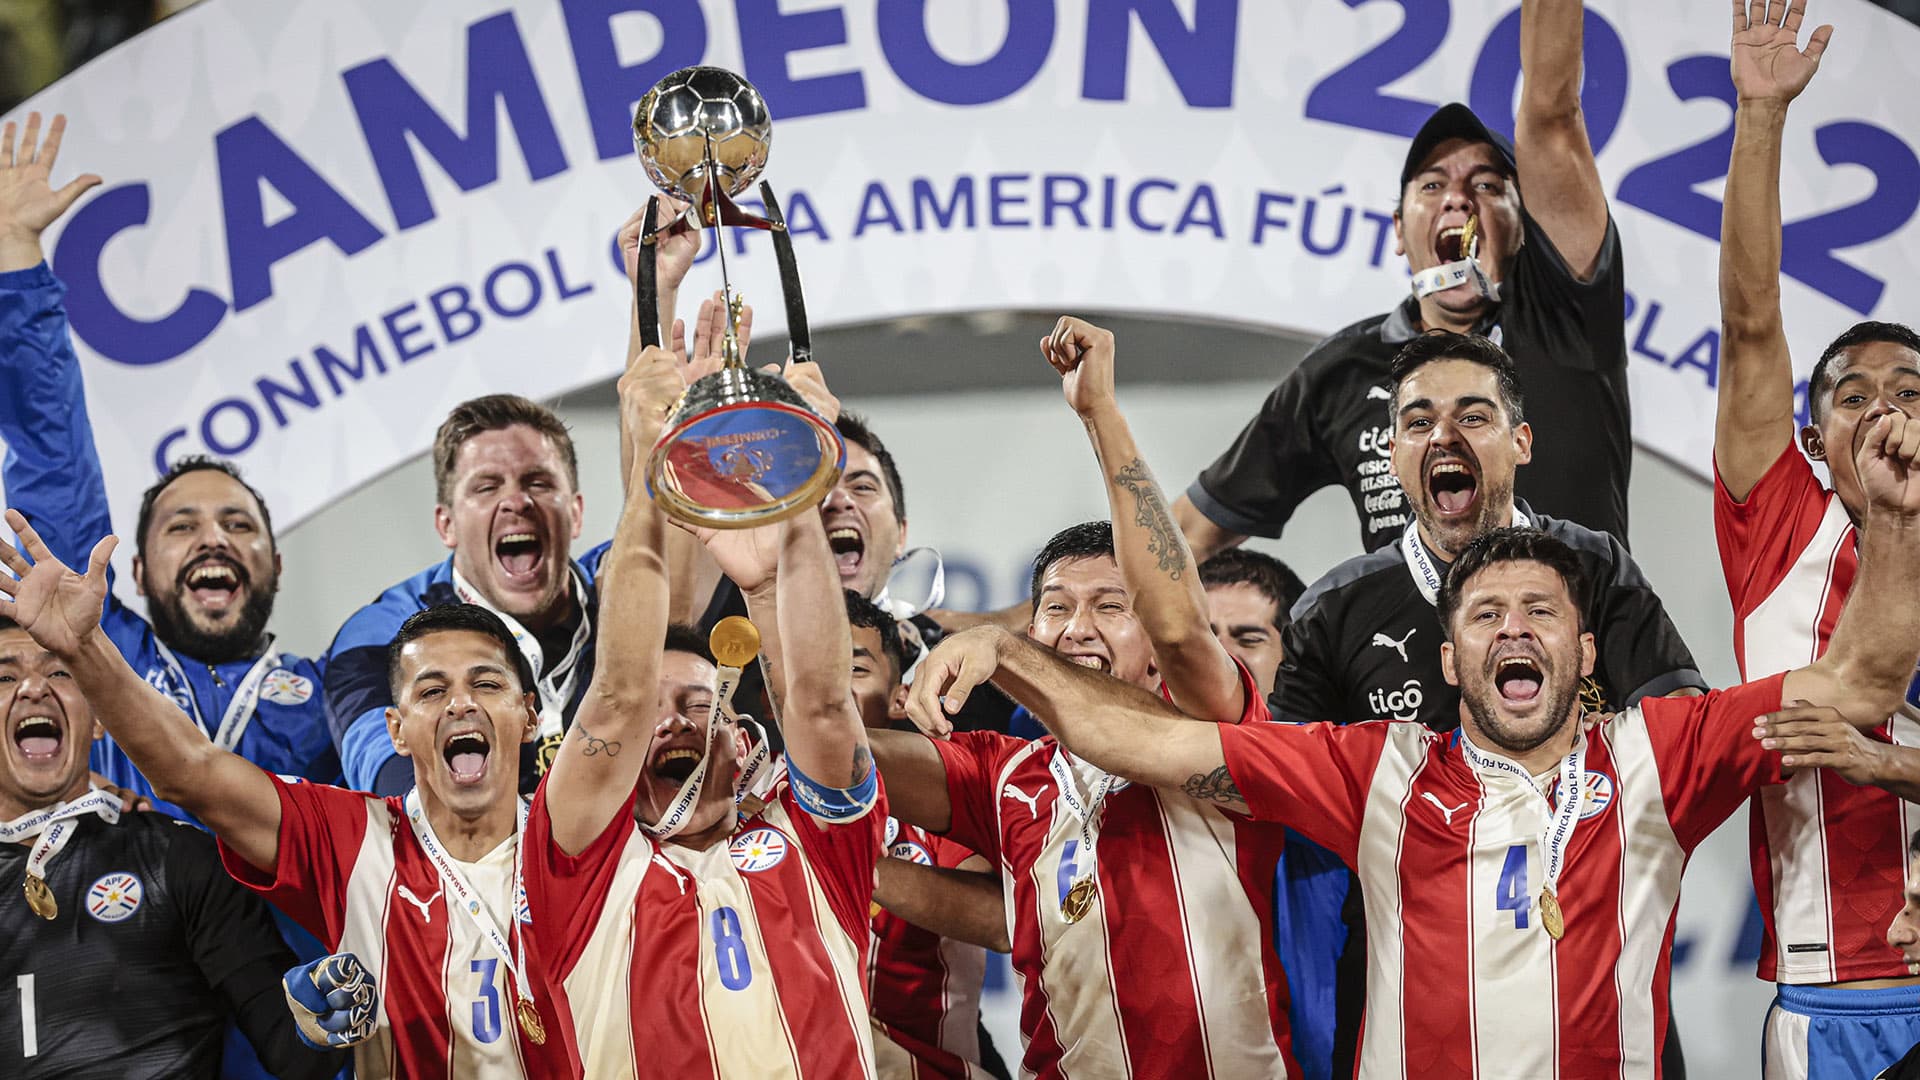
1326,423
1364,643
152,949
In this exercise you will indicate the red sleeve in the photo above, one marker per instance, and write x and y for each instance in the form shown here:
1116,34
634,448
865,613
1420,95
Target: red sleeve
1760,537
1313,778
947,853
1708,759
973,761
843,856
321,829
566,893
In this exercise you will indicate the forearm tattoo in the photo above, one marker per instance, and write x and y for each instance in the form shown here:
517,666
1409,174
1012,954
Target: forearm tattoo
1150,513
1216,786
592,745
862,763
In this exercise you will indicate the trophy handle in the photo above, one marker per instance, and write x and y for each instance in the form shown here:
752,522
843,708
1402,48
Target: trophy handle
797,331
646,290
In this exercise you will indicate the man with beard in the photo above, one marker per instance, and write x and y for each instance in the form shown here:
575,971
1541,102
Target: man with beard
1365,641
205,558
102,903
424,890
694,920
1828,855
1543,278
1521,873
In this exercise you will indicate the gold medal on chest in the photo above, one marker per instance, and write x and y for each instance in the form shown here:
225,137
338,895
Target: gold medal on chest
40,898
530,1022
1551,916
1079,900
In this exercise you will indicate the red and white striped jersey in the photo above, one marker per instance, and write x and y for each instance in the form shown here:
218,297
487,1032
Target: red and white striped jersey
1462,978
926,988
352,873
1828,857
1172,971
746,959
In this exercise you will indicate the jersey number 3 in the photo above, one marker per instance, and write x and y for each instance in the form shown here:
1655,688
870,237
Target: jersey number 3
1512,894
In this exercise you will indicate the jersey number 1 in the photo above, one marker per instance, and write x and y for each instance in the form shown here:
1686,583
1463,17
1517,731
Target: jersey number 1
29,1022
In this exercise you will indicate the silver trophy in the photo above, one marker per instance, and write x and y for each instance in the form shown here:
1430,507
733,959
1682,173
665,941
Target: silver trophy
741,448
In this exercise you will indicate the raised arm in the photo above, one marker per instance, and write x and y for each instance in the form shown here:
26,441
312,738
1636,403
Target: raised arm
1160,573
1558,177
1754,421
60,610
591,778
825,739
1870,661
1117,726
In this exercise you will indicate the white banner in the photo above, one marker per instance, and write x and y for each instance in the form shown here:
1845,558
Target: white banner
325,223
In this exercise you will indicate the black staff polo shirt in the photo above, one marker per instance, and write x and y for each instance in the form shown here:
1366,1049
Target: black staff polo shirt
1327,422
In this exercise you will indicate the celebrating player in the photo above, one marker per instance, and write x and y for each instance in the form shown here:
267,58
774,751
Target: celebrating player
689,933
937,905
1136,917
205,559
421,889
1534,857
104,905
1828,857
1545,277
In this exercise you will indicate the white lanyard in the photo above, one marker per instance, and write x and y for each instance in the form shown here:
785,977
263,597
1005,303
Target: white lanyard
1426,576
54,826
246,695
554,688
464,896
936,589
1561,820
1068,783
680,810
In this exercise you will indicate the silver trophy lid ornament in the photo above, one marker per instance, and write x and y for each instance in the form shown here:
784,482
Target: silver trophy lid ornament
695,109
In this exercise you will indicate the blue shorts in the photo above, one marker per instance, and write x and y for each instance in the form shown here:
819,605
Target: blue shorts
1819,1033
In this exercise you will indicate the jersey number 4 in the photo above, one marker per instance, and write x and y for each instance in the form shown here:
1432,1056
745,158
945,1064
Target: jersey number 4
1512,893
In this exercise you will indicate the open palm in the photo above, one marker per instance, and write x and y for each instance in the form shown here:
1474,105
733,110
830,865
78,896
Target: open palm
1768,63
28,200
55,606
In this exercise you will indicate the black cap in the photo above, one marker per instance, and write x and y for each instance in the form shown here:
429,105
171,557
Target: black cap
1453,121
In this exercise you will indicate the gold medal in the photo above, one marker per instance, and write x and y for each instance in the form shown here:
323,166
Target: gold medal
1079,900
735,641
530,1022
1551,916
40,898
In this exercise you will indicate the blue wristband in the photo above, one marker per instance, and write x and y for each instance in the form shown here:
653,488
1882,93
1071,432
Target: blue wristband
836,806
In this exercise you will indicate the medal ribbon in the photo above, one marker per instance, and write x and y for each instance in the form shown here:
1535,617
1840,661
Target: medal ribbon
1561,820
1064,778
554,688
680,810
467,898
1426,576
53,825
246,695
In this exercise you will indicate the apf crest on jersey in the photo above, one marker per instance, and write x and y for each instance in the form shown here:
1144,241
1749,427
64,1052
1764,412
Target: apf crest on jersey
114,898
758,849
1596,794
283,687
912,852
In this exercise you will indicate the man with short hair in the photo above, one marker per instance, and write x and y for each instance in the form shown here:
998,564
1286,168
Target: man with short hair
1249,594
421,889
1365,641
102,903
1522,874
508,506
1137,918
1545,278
1828,855
655,850
205,557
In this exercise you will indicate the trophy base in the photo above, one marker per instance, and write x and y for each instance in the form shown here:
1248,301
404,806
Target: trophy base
745,463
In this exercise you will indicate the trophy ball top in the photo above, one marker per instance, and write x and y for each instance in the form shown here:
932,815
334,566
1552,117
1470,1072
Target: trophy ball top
735,641
684,112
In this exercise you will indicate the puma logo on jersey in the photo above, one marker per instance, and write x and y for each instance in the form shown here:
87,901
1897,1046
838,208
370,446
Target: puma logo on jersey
1032,801
1444,810
425,906
1400,646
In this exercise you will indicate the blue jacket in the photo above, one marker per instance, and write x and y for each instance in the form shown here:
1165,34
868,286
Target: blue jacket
52,475
357,693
